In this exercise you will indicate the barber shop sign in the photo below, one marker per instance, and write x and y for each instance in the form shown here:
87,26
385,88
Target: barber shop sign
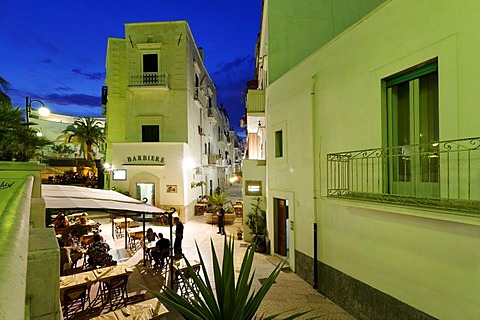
145,159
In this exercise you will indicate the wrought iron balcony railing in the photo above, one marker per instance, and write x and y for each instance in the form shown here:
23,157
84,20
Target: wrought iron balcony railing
443,174
155,79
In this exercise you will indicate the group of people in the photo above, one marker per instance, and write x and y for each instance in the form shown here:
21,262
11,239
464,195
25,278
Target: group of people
162,246
71,252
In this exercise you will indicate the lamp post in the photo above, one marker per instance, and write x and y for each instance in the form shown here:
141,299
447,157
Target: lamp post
43,111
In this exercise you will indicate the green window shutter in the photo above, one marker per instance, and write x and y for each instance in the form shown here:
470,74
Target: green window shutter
433,67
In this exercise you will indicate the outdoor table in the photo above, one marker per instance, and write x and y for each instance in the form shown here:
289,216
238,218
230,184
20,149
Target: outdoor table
111,271
120,222
73,280
134,235
150,309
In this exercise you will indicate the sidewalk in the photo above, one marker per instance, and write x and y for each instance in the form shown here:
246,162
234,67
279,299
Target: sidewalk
289,293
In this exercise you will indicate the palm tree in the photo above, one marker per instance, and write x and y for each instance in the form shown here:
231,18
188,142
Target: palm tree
4,84
87,132
16,139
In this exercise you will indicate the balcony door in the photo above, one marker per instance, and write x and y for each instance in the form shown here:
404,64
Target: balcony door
413,132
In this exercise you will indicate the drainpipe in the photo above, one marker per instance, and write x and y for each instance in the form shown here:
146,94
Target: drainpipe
315,172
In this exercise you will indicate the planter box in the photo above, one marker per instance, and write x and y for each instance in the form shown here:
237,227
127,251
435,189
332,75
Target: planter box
211,218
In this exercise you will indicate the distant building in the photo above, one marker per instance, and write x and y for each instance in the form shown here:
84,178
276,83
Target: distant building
62,156
167,141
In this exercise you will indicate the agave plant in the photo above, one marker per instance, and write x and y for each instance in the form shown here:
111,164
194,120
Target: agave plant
232,300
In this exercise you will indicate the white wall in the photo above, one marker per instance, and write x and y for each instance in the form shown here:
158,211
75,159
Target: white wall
413,255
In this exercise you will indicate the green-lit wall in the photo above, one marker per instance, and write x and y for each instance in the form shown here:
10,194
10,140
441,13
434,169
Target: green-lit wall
129,108
426,259
300,28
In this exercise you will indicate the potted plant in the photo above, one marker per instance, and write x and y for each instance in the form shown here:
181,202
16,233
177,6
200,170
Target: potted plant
231,299
256,221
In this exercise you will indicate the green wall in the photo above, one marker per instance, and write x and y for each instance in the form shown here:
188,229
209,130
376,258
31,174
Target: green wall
297,29
424,258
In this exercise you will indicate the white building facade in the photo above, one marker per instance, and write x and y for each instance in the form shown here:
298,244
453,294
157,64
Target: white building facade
372,153
167,141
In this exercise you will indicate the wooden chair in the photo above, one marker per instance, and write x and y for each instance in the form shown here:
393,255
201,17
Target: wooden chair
114,291
75,299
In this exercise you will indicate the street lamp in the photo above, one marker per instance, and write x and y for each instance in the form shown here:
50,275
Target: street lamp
43,111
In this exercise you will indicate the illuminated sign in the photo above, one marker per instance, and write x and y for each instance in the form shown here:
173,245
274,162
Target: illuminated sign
145,159
119,174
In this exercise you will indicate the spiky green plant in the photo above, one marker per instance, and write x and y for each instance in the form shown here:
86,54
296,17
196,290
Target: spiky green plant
232,300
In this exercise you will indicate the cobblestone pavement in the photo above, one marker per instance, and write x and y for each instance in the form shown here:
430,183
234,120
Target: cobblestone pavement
289,294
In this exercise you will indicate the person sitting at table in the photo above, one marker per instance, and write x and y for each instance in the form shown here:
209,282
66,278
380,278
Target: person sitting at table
61,222
151,236
98,252
158,253
83,219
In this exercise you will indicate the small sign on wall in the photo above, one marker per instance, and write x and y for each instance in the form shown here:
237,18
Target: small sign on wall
171,188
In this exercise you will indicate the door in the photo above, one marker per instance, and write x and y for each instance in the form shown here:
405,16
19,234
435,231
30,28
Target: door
281,214
413,133
146,193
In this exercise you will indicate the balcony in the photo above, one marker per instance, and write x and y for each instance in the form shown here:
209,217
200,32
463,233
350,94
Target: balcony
443,175
213,159
255,101
211,115
149,79
200,97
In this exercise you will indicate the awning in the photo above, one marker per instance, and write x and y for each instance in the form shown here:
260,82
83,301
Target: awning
72,197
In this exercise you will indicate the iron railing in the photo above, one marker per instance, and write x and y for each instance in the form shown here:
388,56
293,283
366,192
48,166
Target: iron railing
443,174
149,79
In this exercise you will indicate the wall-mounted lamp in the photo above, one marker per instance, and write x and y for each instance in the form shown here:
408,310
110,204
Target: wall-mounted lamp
43,111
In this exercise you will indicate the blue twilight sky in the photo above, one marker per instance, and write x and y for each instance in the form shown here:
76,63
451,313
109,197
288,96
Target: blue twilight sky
55,50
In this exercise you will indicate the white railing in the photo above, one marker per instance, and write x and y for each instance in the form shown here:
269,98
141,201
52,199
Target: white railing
149,79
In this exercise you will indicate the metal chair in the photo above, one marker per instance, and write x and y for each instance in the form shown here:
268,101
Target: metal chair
114,291
74,300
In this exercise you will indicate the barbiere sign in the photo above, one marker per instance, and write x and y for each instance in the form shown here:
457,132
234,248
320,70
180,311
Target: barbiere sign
144,159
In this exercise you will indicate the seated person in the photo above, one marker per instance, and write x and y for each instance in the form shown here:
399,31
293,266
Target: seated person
61,222
159,252
83,219
98,252
151,236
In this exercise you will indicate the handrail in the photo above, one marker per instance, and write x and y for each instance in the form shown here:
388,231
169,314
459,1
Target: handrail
440,174
14,235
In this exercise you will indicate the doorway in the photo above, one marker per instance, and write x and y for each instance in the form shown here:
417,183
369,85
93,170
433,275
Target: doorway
281,226
146,193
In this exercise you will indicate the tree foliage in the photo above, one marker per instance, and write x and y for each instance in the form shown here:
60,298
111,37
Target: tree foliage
87,132
17,140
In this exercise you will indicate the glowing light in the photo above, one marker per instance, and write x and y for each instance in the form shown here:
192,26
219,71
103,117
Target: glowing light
188,163
44,111
233,179
106,166
39,134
